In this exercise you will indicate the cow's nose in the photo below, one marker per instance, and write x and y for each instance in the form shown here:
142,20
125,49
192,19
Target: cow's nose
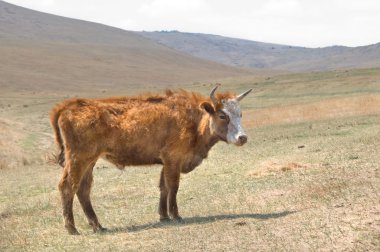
243,139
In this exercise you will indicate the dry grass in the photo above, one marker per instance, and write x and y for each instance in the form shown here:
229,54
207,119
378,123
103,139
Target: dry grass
320,110
333,206
10,152
273,168
312,184
3,164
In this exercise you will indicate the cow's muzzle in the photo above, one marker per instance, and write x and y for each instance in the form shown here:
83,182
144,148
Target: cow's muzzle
242,139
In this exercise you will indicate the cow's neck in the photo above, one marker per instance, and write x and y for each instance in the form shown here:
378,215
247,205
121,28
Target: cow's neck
205,138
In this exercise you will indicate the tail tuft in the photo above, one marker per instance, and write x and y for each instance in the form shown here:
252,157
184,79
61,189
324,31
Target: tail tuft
54,158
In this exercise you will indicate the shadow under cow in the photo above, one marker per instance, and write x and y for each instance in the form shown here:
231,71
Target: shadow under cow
198,220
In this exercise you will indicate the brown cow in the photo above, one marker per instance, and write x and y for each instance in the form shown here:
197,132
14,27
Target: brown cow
176,129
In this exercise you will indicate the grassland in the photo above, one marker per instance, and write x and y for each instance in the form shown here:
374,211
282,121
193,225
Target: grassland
308,179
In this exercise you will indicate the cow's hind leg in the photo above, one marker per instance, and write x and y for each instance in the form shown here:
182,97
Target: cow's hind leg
163,206
68,186
67,197
83,194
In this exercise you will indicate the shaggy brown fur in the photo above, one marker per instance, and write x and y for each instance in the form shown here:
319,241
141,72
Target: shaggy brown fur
172,129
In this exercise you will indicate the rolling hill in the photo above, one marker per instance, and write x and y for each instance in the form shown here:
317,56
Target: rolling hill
45,52
252,54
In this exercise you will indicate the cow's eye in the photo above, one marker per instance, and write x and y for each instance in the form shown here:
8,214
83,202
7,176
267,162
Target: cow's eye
241,114
222,116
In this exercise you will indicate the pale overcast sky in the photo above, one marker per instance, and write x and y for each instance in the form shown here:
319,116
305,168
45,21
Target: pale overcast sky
311,23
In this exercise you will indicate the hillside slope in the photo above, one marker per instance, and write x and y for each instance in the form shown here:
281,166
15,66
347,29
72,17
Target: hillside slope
252,54
40,51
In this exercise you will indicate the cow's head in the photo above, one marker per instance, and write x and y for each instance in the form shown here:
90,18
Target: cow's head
225,117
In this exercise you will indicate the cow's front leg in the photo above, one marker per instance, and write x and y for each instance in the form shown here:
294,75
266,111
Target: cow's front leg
163,206
172,184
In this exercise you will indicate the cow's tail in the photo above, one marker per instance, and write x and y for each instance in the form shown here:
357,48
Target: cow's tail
54,117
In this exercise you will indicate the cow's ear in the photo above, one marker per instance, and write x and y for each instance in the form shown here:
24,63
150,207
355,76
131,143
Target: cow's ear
208,107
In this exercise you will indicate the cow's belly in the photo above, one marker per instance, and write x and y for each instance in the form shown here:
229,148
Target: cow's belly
132,156
126,148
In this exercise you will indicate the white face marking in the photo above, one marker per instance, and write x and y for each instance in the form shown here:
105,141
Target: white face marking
235,130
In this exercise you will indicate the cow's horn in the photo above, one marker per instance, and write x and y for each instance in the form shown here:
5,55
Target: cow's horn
241,96
212,94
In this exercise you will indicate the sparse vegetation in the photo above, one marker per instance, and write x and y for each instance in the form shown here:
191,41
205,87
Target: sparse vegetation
271,194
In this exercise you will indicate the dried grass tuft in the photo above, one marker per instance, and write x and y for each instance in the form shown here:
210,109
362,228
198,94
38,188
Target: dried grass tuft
3,164
273,168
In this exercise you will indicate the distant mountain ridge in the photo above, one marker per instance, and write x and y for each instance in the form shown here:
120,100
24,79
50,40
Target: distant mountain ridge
253,54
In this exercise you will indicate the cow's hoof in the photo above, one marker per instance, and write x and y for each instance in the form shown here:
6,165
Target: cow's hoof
100,229
178,219
164,219
73,231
